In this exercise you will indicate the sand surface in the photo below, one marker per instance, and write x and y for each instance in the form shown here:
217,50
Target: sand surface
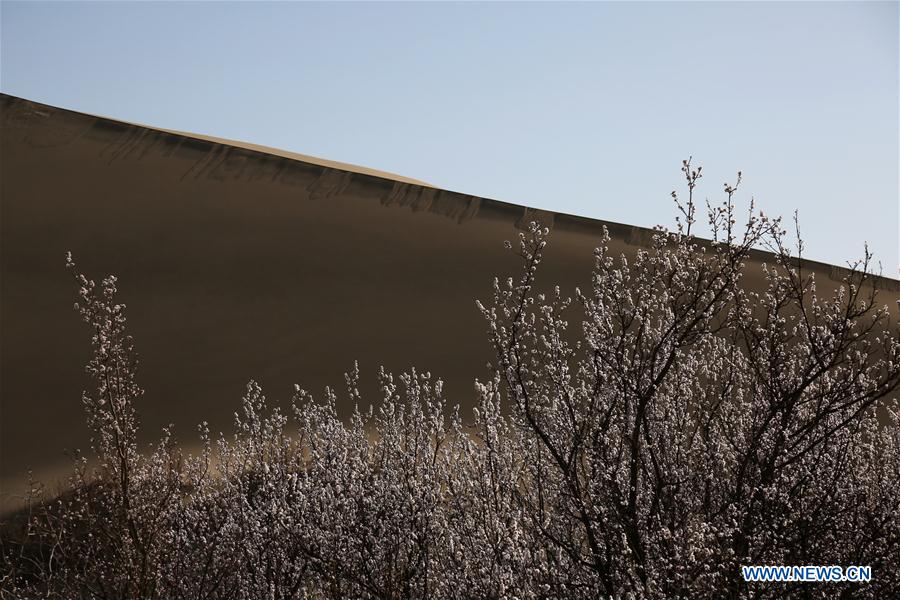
240,262
313,160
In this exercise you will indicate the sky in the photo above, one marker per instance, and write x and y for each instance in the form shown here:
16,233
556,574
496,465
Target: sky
583,108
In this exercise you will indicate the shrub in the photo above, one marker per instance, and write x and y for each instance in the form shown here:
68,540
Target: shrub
688,426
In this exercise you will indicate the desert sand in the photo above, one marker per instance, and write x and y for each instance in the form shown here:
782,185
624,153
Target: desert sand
236,262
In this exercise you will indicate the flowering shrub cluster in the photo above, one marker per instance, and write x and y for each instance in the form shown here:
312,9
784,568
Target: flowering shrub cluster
685,427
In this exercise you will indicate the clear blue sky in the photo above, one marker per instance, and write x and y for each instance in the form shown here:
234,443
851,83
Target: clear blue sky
580,108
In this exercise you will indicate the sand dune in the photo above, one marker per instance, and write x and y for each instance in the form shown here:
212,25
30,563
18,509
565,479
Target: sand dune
237,262
313,160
